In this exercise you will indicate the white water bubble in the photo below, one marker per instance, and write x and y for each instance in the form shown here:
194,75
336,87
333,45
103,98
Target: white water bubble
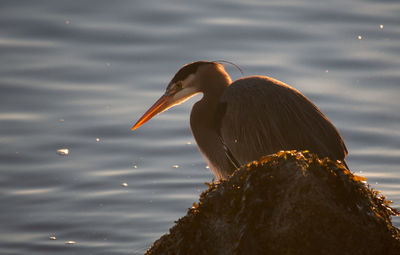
63,152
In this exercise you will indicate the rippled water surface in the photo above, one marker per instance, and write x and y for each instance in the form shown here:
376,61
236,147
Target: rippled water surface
77,74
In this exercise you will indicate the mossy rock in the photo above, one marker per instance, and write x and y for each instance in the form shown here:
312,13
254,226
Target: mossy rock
287,203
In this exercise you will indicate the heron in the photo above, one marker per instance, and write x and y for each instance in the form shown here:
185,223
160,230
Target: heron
235,123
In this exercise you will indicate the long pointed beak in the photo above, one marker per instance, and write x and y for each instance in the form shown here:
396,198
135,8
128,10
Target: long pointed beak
159,106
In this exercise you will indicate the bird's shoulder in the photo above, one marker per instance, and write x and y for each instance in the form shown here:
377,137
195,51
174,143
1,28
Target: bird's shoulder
252,106
265,115
250,87
251,95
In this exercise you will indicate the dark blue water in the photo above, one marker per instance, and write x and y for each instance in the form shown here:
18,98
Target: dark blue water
78,74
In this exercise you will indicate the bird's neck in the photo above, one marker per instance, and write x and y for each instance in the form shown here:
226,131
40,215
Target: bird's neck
202,123
213,88
203,112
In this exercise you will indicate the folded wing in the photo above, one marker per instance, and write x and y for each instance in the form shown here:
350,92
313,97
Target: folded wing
259,115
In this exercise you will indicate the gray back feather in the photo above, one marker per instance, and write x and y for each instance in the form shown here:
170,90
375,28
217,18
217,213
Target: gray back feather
262,116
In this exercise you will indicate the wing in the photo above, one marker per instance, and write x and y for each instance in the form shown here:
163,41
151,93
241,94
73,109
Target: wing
259,115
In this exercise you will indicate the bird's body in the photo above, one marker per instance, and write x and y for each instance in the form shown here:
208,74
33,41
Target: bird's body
236,123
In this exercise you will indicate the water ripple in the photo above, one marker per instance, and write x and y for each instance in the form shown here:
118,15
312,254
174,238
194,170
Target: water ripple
74,72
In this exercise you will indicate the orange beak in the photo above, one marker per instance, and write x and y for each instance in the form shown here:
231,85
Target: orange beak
159,106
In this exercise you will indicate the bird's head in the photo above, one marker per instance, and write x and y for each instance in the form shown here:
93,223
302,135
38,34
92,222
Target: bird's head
187,82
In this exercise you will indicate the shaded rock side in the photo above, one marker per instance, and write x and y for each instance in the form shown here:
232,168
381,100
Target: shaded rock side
287,203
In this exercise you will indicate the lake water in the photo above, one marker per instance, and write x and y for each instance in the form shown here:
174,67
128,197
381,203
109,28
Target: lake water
78,74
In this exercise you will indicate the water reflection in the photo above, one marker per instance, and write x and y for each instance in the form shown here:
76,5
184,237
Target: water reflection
64,85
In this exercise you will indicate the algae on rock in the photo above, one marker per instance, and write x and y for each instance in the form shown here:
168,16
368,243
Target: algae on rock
287,203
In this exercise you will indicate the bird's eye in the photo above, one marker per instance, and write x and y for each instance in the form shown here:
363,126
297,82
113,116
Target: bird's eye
178,85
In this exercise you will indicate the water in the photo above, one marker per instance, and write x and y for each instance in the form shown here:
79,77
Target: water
77,75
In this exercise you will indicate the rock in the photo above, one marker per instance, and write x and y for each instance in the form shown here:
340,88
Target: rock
287,203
